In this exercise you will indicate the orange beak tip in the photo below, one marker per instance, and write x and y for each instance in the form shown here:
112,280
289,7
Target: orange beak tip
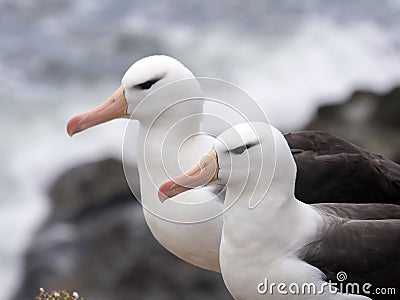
72,125
162,197
161,191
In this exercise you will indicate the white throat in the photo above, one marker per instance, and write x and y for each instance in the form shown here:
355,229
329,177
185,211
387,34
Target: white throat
161,144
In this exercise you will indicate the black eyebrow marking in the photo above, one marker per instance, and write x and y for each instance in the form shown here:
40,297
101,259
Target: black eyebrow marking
241,149
147,84
216,157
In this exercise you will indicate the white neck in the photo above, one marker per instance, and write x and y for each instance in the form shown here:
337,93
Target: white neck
159,142
280,224
196,243
174,116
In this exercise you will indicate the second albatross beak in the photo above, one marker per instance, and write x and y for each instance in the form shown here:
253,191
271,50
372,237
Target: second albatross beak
203,173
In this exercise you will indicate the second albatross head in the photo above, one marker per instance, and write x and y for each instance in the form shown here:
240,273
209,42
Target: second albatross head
248,158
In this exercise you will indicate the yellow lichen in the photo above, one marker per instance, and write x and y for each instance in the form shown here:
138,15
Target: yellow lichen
57,295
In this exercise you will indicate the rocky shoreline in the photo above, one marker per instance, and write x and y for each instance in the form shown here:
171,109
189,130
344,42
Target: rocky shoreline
367,119
96,241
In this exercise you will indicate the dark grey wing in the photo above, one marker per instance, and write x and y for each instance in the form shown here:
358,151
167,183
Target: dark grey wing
320,142
368,251
361,211
331,170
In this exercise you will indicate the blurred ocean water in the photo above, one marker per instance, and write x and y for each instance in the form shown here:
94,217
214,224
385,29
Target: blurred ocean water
58,58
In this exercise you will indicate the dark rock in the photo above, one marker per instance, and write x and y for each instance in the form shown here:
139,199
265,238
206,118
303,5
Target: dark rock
367,119
96,242
388,110
88,187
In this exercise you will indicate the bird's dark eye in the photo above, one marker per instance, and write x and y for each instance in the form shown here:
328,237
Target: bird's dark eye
238,150
147,84
241,149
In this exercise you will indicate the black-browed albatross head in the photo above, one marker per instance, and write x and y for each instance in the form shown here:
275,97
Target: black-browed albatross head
140,80
249,157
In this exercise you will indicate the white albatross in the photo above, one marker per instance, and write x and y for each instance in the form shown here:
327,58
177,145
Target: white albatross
196,243
270,238
199,243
